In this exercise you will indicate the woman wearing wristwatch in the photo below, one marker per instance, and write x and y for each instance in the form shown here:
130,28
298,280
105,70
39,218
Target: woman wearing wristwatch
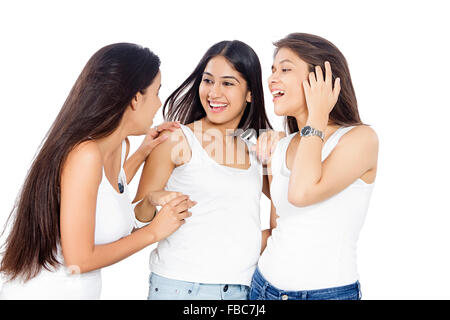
321,177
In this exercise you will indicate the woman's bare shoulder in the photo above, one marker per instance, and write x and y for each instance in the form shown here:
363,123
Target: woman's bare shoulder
363,134
85,156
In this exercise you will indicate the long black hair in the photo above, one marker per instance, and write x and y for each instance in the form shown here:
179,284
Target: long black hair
184,103
92,110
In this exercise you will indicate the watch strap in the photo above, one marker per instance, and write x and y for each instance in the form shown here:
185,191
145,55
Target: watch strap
312,132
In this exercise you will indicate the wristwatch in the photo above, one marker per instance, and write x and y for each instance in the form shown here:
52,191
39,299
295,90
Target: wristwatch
308,131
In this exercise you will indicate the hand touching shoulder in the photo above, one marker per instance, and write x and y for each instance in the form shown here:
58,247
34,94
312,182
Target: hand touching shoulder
175,149
162,160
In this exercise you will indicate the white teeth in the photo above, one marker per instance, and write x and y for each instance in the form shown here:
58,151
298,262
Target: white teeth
277,93
214,105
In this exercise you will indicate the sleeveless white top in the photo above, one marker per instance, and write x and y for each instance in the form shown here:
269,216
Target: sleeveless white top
313,247
221,242
114,219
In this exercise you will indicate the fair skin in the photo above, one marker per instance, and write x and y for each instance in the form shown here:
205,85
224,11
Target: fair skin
83,171
310,97
222,87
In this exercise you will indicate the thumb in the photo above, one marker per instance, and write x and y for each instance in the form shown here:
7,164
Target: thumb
152,132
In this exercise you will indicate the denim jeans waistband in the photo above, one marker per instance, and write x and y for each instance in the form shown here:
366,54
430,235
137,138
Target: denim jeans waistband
266,286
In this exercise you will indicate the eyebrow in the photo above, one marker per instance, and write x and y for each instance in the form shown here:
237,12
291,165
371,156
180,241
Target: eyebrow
284,60
224,77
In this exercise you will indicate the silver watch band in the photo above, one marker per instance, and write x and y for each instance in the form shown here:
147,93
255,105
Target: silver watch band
309,131
318,133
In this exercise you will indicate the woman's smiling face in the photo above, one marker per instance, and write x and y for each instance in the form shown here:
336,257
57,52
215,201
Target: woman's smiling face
285,83
223,91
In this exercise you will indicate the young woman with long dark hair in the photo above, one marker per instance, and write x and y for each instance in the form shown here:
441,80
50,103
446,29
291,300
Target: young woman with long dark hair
322,176
74,214
213,255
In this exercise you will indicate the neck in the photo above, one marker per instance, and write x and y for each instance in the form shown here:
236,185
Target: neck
225,128
301,117
110,143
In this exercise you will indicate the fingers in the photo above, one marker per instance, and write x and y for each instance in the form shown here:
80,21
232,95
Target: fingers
328,73
266,144
261,146
177,200
306,89
312,79
171,125
183,215
169,197
181,210
183,206
263,151
319,74
337,88
152,132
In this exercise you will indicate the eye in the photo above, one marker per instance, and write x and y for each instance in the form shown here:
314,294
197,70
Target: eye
206,80
228,84
285,70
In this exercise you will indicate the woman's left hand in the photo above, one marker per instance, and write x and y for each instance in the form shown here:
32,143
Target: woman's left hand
153,137
320,95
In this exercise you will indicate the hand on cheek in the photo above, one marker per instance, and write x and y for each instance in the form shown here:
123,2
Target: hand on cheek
320,95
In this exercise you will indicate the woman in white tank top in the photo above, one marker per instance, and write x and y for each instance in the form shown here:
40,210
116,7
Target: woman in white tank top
214,254
322,175
74,214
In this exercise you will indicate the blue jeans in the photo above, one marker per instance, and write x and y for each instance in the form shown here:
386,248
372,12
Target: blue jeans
261,289
161,288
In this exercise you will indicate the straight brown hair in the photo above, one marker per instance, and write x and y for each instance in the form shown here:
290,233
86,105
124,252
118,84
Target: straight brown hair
315,50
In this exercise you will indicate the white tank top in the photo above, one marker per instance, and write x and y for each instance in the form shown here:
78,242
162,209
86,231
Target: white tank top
221,242
114,219
313,247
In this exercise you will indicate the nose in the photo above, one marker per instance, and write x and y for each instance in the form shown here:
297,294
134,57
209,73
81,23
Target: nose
159,102
214,91
272,78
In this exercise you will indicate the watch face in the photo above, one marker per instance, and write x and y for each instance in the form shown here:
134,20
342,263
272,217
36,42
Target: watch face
306,130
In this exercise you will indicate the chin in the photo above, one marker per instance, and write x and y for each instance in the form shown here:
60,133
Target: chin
279,111
216,119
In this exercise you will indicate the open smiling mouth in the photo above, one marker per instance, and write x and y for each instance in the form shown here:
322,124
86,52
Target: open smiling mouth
217,107
277,94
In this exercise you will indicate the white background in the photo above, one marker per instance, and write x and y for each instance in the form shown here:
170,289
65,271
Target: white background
398,53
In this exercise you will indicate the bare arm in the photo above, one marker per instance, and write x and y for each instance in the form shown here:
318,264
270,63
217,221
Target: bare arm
273,214
355,155
83,171
151,140
156,172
